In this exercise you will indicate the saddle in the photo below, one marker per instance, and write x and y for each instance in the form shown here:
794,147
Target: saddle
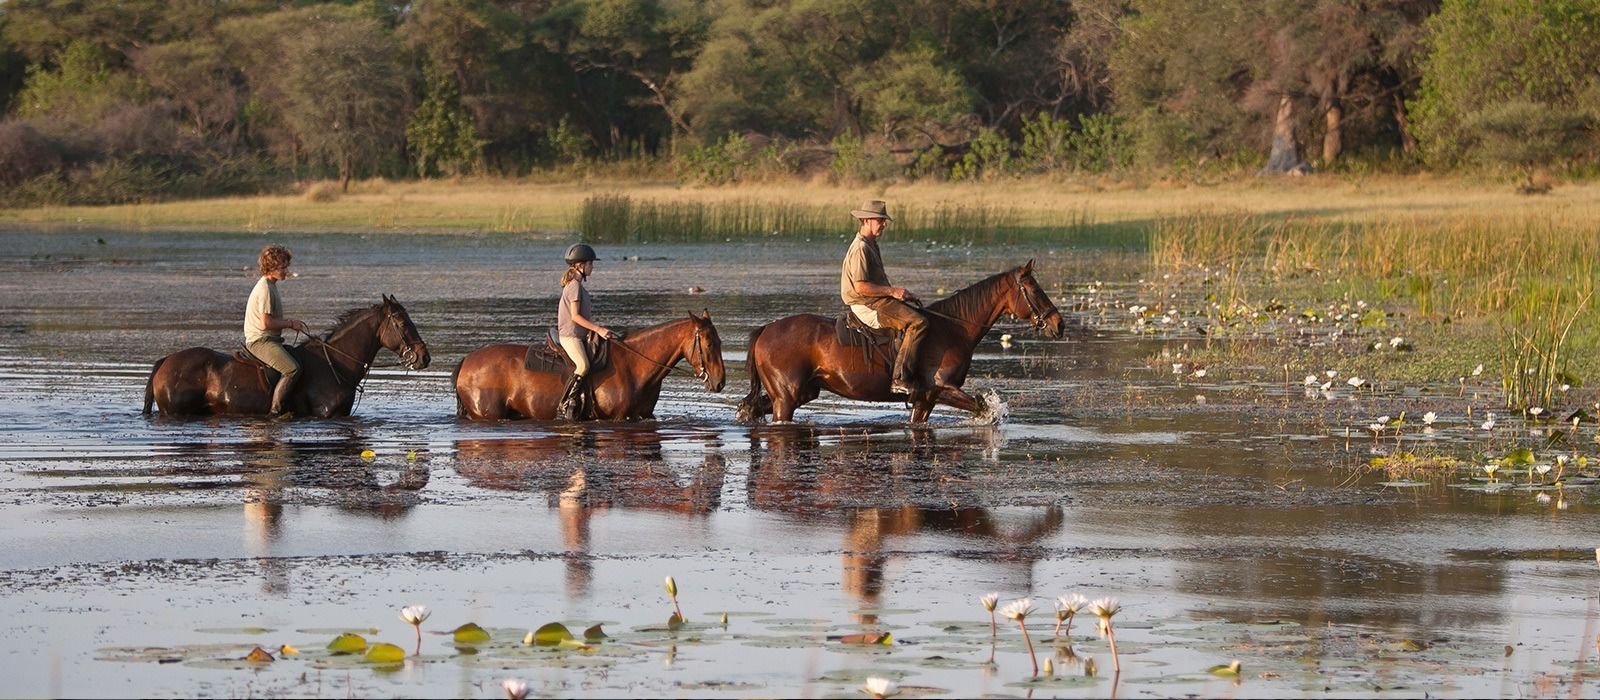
269,376
549,357
853,333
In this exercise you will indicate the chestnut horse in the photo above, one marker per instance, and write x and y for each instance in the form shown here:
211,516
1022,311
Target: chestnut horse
202,381
493,384
793,359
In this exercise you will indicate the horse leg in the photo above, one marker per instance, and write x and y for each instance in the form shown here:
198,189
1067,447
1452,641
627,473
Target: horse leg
955,398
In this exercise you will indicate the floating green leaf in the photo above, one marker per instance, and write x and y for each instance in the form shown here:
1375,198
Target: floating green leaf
883,638
385,654
1226,670
259,655
471,633
551,635
348,643
595,634
674,622
1519,456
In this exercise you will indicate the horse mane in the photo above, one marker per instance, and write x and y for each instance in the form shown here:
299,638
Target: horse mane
346,319
975,300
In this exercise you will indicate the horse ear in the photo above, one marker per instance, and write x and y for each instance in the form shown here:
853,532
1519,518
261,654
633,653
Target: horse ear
705,313
1028,268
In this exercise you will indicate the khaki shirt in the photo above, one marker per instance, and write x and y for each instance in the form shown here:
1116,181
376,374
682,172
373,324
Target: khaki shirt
573,292
862,263
264,301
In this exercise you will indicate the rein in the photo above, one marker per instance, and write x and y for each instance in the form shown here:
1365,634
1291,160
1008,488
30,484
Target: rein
325,346
699,373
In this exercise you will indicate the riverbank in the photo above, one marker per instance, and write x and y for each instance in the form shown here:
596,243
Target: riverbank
544,206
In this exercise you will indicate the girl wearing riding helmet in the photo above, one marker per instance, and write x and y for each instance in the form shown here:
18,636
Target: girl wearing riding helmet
574,324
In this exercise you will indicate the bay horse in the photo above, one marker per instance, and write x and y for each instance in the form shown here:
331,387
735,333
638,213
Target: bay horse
202,381
492,383
793,359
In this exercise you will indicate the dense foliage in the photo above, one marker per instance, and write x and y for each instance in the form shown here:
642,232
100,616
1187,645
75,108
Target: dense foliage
119,101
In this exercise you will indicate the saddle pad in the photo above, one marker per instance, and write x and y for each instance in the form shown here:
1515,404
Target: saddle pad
269,376
851,332
550,357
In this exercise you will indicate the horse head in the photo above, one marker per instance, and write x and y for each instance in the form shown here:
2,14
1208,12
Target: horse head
704,351
1031,304
397,333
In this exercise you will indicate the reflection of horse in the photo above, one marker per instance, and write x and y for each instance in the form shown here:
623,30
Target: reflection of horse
493,383
201,381
793,359
624,468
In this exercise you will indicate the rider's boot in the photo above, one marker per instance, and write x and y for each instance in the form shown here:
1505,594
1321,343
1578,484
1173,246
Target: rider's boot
571,406
280,398
905,379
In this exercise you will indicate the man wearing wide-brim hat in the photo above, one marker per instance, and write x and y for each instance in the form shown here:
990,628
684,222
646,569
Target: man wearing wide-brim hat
865,287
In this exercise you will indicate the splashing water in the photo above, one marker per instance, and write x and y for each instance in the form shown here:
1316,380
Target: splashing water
992,409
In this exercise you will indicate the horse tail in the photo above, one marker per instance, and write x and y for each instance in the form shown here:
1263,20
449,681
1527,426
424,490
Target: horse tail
750,408
455,377
150,386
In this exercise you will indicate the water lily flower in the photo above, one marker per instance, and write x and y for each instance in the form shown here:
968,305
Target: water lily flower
1327,385
1429,417
1396,341
880,687
1332,373
516,688
1200,372
1535,411
989,600
1005,340
1105,609
1309,380
1488,424
414,615
1490,469
1477,370
1355,382
1565,388
1049,667
1019,610
1066,608
672,592
1177,368
1542,469
1384,420
1542,497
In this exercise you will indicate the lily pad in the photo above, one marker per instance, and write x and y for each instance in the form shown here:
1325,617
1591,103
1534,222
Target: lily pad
235,630
260,656
594,634
470,633
883,638
348,643
551,635
383,653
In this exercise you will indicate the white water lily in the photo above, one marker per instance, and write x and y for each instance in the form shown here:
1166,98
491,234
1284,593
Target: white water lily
1383,420
1488,424
1477,370
880,687
1429,417
516,688
1490,469
1177,368
414,614
1396,341
1066,608
1309,380
1200,372
1542,497
1332,373
1542,469
1005,340
1018,609
1535,411
989,601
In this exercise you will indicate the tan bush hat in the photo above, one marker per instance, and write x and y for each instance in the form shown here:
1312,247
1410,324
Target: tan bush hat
872,209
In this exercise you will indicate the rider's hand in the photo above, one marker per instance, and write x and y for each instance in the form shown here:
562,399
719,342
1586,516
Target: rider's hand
299,325
613,335
906,295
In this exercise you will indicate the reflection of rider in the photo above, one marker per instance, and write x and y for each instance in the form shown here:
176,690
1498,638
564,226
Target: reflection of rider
573,326
865,287
264,323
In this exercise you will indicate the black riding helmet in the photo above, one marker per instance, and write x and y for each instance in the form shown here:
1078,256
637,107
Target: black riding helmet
580,252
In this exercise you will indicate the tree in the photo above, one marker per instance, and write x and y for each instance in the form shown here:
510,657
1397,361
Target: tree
1486,54
197,77
344,91
1527,135
440,133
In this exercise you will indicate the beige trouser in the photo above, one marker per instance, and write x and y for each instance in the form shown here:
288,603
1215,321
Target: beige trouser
276,356
578,353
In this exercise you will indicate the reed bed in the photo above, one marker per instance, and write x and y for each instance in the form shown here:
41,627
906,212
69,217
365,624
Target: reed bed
617,218
1532,279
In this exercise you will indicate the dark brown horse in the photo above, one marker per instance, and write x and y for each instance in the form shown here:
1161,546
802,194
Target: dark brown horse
493,384
202,381
793,359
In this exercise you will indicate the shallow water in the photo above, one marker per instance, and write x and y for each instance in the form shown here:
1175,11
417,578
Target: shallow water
139,554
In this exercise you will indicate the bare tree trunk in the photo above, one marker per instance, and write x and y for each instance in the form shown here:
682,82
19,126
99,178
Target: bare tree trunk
1333,138
1285,156
1408,143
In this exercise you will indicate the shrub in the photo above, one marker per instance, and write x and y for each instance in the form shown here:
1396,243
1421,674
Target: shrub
25,153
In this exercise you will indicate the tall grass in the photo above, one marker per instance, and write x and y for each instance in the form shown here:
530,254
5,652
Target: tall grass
614,218
1532,278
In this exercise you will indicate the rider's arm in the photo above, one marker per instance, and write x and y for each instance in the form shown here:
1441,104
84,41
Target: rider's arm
273,323
873,289
579,319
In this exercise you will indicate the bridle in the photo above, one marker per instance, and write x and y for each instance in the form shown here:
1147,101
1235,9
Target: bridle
1033,307
408,354
701,367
